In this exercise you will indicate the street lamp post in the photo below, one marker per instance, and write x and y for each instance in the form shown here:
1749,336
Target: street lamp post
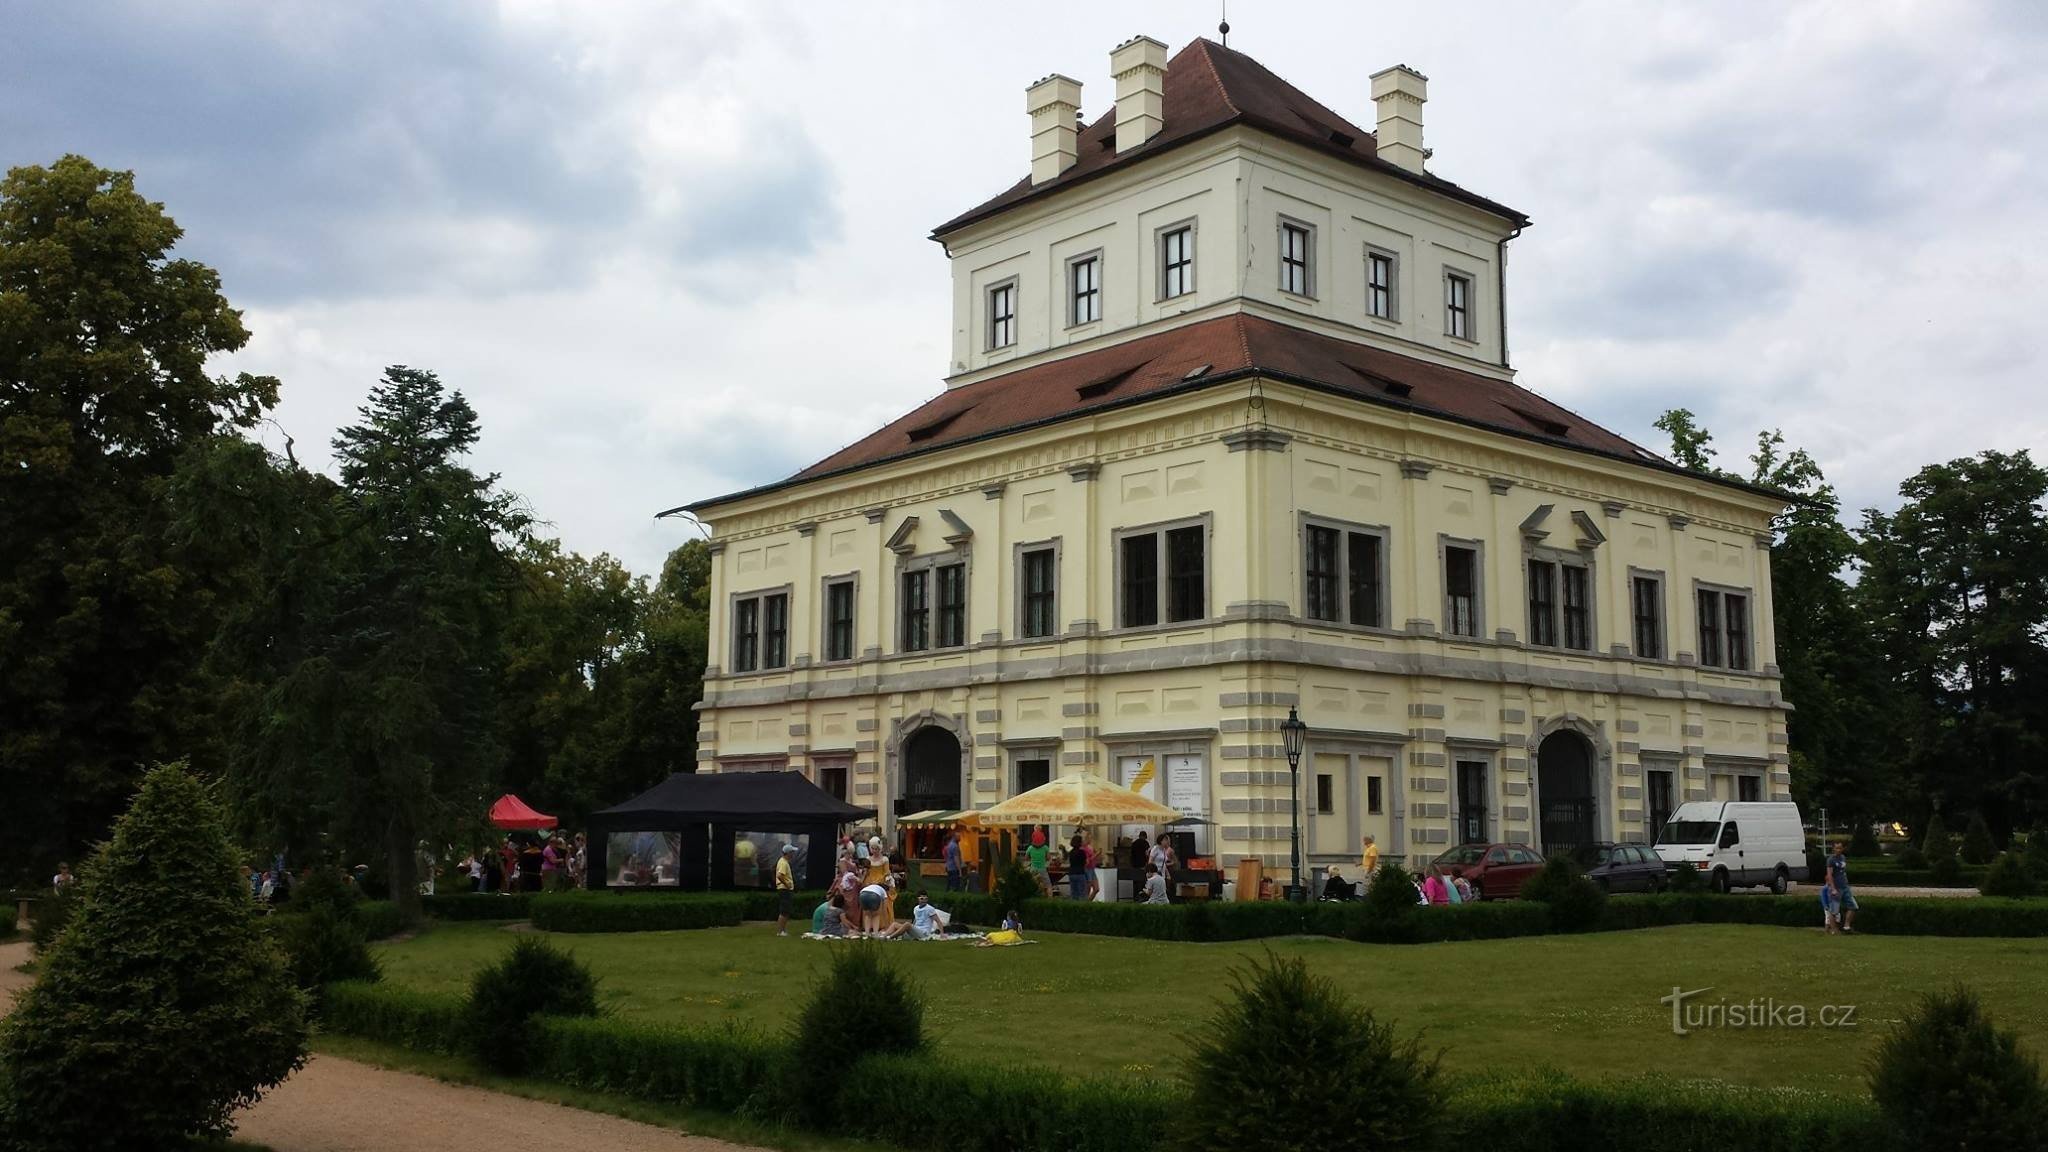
1292,734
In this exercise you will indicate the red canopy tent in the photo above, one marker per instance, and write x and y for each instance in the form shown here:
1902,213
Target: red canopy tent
510,812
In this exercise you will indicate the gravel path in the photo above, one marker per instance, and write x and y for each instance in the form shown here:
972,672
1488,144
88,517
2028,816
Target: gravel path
336,1105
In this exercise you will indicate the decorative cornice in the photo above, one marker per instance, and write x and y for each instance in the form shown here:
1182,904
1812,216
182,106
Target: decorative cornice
1499,485
875,515
1590,535
1679,523
993,492
903,541
807,528
1082,473
1613,508
1256,440
959,532
1414,470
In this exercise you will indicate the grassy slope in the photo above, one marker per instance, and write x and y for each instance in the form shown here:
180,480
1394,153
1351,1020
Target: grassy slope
1587,1004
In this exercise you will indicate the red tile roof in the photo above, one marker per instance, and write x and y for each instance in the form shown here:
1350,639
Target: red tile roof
1226,348
1209,87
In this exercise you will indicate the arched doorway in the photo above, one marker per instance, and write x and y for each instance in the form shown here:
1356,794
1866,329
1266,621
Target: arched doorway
931,771
1564,789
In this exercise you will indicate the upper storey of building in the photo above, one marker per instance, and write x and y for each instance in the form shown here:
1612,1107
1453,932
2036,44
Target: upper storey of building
1214,186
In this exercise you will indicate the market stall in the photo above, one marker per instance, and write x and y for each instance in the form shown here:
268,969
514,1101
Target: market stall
924,835
723,830
512,814
1082,801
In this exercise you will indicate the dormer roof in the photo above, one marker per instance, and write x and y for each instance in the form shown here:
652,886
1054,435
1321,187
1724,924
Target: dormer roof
1208,88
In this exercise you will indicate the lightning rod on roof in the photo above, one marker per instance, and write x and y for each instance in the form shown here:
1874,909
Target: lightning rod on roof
1223,26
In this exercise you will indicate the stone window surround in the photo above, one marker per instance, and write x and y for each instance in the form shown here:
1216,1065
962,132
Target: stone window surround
1357,748
1562,557
1281,223
1302,524
1101,287
1393,260
1046,748
1601,763
1666,652
891,780
1159,236
1207,522
825,584
1471,282
732,602
1487,753
1057,546
988,303
925,563
1749,666
1444,542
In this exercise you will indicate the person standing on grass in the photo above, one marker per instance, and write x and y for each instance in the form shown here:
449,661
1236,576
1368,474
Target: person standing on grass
1141,851
872,898
1838,879
952,853
785,888
1830,918
1078,875
1035,859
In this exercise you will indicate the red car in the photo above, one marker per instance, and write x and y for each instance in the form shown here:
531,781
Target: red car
1495,871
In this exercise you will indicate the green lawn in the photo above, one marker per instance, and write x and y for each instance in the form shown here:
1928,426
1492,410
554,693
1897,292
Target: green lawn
1586,1004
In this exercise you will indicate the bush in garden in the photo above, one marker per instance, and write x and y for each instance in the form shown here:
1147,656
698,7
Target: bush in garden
535,977
324,938
1863,842
864,1005
1392,893
1912,858
164,1006
1978,847
1686,878
1575,901
48,916
1015,884
1947,871
1936,842
2037,853
1947,1078
1291,1062
2007,876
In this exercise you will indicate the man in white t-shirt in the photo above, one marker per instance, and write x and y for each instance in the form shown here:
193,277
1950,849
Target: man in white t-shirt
1155,886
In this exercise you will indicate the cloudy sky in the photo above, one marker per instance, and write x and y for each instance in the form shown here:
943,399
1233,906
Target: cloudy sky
672,250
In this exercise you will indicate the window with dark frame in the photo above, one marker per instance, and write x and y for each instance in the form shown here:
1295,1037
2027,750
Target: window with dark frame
1362,578
1164,576
1084,290
952,597
746,635
1458,305
1461,590
1578,608
774,631
1326,793
1177,262
1560,605
1735,611
1543,603
1710,628
1002,316
1320,567
1647,607
1379,285
1294,259
760,632
1372,796
1341,572
1041,592
915,612
839,620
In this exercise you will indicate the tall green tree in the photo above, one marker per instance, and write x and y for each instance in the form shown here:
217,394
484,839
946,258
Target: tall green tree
1956,585
379,727
104,338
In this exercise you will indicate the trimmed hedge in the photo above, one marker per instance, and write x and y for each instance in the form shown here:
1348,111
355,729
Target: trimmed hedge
422,1021
933,1104
380,919
635,911
1547,1111
718,1069
478,905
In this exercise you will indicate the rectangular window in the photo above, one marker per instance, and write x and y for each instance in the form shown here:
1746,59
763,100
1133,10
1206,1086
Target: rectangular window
1362,576
1296,244
1326,793
1379,285
1002,316
1647,595
833,781
775,631
1578,609
915,613
1542,603
1710,628
1458,305
952,605
1186,574
1040,582
1461,590
1084,290
1736,626
1372,796
1321,568
746,635
839,620
1177,262
1141,580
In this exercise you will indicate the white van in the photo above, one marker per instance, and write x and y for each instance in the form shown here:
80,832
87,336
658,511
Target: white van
1735,842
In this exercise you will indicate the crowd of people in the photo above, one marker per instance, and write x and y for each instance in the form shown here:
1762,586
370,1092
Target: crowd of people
536,864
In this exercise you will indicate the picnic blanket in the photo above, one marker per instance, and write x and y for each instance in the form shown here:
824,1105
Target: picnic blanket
941,937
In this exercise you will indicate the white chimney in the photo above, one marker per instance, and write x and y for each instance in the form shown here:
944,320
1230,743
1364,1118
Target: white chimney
1139,68
1052,104
1399,92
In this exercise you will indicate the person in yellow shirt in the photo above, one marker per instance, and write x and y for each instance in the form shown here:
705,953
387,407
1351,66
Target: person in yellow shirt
1371,859
785,889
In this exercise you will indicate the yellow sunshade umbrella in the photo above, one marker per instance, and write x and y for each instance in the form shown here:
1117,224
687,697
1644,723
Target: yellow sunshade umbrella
1078,801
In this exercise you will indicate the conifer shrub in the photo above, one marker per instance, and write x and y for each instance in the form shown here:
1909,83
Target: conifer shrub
535,977
1576,903
1391,895
1978,847
1863,841
1686,878
1947,871
864,1005
1015,884
1290,1062
1947,1078
164,1006
1936,843
48,916
1912,859
2037,854
2007,876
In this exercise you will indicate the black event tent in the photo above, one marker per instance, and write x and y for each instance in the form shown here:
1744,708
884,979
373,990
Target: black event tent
718,830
